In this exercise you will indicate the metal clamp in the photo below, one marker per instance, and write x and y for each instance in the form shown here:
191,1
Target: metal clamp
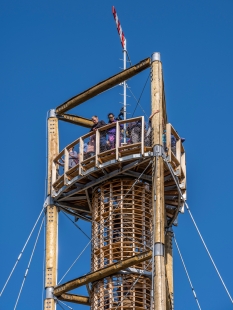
158,249
155,57
52,113
48,201
49,293
158,150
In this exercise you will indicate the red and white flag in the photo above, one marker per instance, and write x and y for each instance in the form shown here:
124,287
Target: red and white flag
119,29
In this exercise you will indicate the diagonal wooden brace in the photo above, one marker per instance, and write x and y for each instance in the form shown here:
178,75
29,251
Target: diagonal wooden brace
102,273
103,86
76,299
76,120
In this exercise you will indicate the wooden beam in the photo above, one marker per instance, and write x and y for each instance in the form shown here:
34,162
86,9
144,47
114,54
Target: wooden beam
101,273
103,86
51,216
76,120
76,299
169,268
157,123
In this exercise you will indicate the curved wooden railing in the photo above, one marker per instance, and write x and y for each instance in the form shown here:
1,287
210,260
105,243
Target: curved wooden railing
114,142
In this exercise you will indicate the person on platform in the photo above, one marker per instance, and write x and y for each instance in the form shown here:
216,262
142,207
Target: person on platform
96,125
111,143
73,158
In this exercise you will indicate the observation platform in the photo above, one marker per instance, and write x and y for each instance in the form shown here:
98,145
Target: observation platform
117,150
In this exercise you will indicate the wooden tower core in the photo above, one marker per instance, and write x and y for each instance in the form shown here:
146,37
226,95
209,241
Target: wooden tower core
122,228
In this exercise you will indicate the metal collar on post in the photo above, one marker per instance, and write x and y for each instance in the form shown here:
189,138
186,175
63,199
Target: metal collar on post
48,201
158,249
155,57
49,293
52,113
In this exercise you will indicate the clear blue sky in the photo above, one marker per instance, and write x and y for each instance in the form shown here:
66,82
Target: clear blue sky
52,50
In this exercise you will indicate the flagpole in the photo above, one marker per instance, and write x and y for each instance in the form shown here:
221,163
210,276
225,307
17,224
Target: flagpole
123,43
124,102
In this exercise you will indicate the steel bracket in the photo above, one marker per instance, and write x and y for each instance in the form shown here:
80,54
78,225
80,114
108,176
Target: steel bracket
131,270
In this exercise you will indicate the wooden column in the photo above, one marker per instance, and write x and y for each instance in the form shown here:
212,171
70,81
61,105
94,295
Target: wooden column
158,184
169,268
51,218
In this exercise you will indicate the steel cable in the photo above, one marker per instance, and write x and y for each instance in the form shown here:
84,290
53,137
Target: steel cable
21,253
29,263
59,301
121,234
76,225
186,271
59,304
121,200
141,94
134,283
137,101
198,231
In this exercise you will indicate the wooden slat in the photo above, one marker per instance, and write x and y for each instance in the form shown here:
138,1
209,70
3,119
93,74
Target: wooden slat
103,86
128,146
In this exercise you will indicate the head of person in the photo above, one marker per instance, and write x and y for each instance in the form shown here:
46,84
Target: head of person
95,119
71,149
111,117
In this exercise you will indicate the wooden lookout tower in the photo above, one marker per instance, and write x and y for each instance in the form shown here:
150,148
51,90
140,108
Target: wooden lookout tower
129,190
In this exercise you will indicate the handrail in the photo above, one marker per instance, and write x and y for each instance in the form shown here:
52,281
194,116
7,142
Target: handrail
91,144
95,147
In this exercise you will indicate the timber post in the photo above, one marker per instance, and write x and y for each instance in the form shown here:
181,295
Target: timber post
169,268
157,120
51,216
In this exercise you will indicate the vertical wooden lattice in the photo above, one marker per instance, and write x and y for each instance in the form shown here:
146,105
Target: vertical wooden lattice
122,227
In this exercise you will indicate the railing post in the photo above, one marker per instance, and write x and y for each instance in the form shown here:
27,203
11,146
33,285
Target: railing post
117,139
168,141
97,147
183,167
178,155
66,166
81,146
142,135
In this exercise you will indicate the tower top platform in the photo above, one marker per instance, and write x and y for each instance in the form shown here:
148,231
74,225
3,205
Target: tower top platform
102,155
